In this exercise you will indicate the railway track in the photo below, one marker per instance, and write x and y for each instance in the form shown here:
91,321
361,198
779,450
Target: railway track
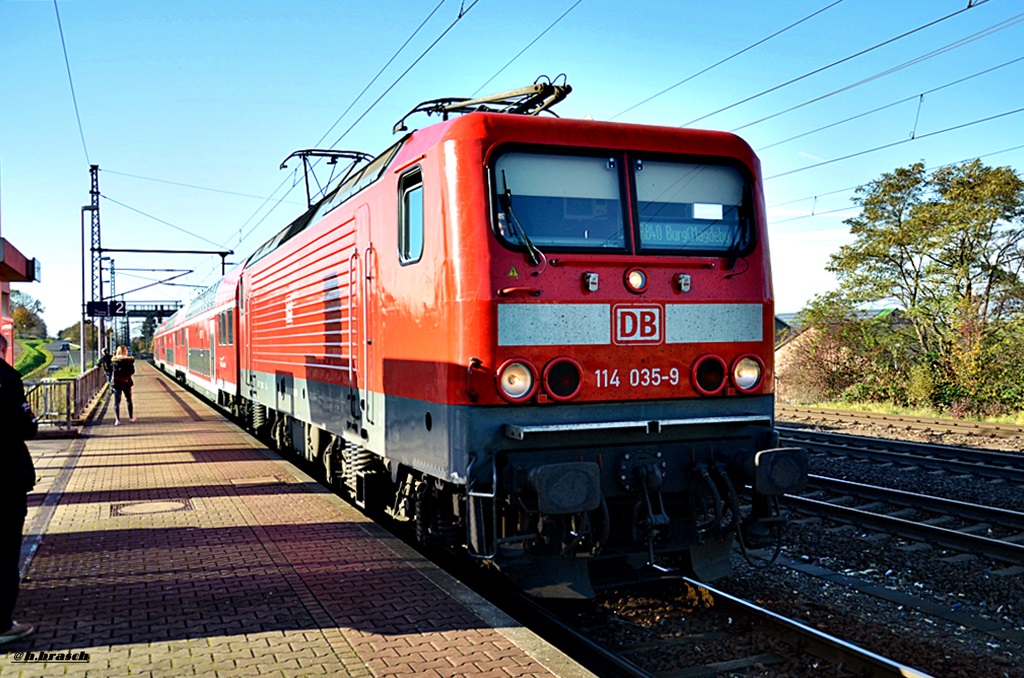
891,510
969,461
730,644
993,532
956,525
729,639
836,651
959,426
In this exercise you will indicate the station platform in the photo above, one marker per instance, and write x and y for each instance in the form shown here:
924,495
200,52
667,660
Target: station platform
179,545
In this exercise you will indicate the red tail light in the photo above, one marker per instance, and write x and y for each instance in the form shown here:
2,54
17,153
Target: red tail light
709,375
563,378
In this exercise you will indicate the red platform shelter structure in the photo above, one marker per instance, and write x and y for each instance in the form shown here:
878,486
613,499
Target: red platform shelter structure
14,267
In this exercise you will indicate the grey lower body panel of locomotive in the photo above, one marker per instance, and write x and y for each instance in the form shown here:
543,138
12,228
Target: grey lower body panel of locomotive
544,492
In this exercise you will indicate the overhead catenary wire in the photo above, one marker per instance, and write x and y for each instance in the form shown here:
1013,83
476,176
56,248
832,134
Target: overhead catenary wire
380,72
898,143
265,199
184,185
532,43
907,64
463,10
891,104
726,59
813,214
268,199
853,188
814,197
162,221
242,238
836,63
71,83
462,13
269,212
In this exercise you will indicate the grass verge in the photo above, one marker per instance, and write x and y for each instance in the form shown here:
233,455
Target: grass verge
887,408
33,356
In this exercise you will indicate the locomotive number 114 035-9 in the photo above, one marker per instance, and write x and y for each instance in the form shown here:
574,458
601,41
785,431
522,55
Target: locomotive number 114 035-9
638,377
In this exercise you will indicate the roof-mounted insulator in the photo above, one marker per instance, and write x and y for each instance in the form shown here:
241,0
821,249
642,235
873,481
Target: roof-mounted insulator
535,99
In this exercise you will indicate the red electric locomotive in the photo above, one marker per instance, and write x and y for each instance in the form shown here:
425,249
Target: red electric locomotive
548,342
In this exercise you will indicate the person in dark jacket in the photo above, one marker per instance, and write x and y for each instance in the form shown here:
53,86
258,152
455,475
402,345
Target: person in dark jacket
124,368
107,363
17,424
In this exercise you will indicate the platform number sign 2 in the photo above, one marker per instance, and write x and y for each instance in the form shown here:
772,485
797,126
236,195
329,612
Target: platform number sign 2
106,309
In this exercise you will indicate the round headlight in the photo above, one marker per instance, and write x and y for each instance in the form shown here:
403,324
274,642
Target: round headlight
517,380
636,280
709,375
746,373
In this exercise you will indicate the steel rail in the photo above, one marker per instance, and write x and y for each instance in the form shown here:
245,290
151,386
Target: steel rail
954,425
835,650
590,654
962,541
989,514
985,463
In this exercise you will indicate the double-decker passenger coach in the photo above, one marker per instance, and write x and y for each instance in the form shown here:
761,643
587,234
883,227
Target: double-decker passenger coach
545,342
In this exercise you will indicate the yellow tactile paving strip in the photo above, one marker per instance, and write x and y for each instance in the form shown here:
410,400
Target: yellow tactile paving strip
178,545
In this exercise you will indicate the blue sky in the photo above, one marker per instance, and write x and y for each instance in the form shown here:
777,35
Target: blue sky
215,94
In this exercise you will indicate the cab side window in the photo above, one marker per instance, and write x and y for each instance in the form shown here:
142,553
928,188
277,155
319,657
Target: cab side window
410,217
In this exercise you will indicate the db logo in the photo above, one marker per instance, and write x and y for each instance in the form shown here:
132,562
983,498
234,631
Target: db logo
637,324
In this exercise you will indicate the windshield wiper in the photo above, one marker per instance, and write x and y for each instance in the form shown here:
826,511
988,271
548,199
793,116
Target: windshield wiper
741,237
533,255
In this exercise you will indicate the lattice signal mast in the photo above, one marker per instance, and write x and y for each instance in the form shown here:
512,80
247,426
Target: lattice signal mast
97,251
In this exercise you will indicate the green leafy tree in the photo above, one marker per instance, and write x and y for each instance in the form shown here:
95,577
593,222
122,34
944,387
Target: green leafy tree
823,363
948,249
144,342
27,315
20,299
845,354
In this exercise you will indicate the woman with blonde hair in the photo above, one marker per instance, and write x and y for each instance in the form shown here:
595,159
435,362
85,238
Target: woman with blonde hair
124,368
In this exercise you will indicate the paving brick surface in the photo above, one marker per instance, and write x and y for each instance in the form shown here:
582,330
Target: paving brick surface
178,545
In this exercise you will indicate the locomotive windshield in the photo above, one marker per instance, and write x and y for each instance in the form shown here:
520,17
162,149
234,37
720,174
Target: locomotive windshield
688,208
560,202
575,203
